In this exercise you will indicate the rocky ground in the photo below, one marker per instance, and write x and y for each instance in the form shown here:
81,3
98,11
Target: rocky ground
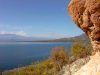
74,67
91,67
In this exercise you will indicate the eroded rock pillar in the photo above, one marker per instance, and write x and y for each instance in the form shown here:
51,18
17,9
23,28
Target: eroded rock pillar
86,15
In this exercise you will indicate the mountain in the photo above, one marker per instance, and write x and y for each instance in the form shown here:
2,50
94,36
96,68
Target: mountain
20,38
82,37
15,38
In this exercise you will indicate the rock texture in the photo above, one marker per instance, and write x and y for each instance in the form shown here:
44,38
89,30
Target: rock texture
86,14
92,67
74,67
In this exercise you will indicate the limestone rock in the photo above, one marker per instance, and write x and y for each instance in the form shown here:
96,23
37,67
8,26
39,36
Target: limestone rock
92,67
74,67
86,14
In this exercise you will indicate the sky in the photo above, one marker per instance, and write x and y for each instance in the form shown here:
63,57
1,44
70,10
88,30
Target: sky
37,18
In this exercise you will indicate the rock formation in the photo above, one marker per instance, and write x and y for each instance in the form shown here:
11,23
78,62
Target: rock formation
92,67
86,14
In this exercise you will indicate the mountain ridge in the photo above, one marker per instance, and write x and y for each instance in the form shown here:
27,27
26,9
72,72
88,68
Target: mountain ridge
19,38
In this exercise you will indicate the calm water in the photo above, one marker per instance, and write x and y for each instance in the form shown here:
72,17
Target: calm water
17,54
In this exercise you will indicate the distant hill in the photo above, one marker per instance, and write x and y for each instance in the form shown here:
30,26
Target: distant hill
19,38
82,37
15,38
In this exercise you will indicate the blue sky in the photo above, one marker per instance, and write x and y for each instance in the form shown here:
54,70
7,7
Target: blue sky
38,18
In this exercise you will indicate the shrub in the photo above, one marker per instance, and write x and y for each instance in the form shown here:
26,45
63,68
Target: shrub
80,50
59,57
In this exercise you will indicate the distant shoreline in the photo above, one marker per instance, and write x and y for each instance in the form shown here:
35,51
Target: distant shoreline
34,41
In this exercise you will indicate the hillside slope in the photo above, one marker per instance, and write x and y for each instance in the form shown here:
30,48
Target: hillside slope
80,67
92,67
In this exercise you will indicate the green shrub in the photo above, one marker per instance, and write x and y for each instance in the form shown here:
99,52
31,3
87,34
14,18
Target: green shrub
80,50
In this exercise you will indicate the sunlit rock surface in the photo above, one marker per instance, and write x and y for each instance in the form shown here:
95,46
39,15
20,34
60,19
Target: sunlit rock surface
74,67
86,15
92,67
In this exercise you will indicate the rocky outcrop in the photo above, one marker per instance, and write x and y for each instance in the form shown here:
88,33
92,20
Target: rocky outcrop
83,66
86,14
92,67
74,67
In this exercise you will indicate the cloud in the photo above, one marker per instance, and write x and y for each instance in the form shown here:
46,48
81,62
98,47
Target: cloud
47,35
21,33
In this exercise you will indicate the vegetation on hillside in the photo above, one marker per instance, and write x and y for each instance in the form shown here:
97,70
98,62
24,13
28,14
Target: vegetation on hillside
51,66
58,58
81,50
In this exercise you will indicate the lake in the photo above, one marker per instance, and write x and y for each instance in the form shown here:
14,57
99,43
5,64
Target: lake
17,54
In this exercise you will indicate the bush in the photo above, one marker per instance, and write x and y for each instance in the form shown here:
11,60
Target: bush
80,50
59,57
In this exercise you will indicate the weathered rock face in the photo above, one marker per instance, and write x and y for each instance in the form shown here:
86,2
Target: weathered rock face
86,14
74,67
92,67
